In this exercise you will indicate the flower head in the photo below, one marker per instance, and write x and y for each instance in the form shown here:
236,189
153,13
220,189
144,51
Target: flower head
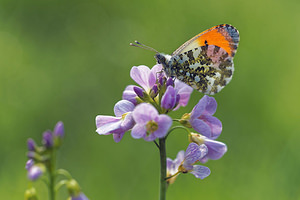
48,139
193,154
216,149
59,130
149,123
119,124
201,118
34,171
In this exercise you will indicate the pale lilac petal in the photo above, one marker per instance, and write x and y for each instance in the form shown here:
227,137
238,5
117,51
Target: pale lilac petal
144,112
191,156
127,122
169,164
200,171
204,150
104,119
216,150
29,164
118,137
157,69
107,124
201,127
184,92
200,107
143,76
150,137
215,126
211,106
122,107
138,131
169,98
129,94
164,122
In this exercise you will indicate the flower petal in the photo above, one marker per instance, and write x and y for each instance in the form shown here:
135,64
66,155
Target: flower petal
215,126
107,124
191,155
144,112
211,106
184,92
199,107
127,122
129,94
168,100
200,171
164,122
143,76
201,127
138,131
216,150
118,137
122,107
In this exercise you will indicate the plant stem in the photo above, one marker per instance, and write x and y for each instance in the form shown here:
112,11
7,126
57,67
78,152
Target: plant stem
163,169
52,176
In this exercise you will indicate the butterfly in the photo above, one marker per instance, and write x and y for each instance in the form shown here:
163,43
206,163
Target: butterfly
205,62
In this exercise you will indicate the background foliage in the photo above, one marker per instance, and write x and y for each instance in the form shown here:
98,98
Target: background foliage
70,60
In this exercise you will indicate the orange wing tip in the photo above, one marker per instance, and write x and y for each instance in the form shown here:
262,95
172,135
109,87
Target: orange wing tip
224,36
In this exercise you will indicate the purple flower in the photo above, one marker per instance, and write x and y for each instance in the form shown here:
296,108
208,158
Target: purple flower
201,118
129,94
172,166
169,100
215,149
59,130
81,196
34,171
149,124
48,139
145,77
31,145
184,91
29,164
193,154
119,124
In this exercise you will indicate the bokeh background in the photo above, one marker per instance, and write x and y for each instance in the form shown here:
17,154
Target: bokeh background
70,60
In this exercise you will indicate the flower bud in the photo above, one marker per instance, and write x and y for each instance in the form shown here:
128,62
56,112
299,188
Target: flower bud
170,82
169,98
139,91
35,171
154,91
31,146
59,130
47,139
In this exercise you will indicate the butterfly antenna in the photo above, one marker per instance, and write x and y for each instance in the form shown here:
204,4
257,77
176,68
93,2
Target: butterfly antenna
141,45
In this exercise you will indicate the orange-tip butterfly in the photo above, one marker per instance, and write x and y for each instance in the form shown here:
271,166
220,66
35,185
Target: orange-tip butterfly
204,62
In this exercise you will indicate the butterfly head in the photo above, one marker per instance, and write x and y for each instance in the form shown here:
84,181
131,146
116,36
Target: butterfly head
164,59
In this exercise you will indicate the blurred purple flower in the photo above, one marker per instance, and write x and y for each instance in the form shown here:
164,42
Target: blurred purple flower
34,171
172,166
119,124
29,164
81,196
149,124
193,154
59,130
48,139
201,118
31,144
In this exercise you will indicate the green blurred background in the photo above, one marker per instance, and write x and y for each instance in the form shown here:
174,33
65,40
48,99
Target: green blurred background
70,60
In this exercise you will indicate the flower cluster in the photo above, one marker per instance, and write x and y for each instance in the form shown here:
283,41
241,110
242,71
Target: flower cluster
144,108
41,161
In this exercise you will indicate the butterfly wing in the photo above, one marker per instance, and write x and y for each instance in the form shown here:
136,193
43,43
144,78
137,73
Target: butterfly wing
224,36
205,62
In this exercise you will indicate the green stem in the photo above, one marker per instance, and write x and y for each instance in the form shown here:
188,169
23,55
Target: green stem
52,175
163,169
